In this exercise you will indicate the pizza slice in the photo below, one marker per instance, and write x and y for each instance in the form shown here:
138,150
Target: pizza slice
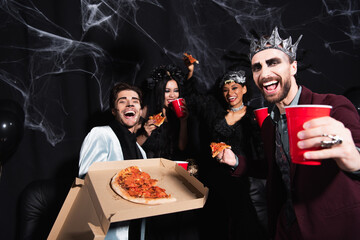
190,58
217,148
137,186
159,119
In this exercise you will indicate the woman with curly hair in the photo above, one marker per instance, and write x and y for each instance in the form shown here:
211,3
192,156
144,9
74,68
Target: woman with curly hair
231,120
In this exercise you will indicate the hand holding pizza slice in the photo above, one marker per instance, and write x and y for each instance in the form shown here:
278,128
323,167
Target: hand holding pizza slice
217,148
158,119
190,58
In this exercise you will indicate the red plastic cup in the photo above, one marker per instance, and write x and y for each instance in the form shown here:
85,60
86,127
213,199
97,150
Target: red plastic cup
261,114
177,105
183,164
296,117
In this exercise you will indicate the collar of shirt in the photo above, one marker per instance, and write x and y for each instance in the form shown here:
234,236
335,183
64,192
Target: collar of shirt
280,120
275,113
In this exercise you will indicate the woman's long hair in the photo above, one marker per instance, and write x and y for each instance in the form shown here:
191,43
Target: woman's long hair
164,140
156,85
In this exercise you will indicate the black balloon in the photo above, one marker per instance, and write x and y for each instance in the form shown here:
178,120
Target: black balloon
11,127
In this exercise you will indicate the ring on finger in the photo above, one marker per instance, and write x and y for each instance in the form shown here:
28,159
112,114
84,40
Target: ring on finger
335,140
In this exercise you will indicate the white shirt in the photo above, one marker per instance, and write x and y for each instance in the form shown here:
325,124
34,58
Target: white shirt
102,145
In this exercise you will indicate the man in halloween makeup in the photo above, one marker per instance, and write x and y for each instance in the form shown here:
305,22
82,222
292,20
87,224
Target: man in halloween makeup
116,142
305,202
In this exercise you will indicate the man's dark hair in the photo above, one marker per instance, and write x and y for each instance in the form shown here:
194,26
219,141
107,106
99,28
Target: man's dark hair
121,86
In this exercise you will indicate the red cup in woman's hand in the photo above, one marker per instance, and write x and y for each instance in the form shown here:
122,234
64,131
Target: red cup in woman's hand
178,104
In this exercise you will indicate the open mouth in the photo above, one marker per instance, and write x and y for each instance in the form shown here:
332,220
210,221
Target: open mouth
271,86
231,99
129,113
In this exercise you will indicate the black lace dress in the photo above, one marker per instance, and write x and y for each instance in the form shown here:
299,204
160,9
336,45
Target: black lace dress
236,207
247,215
164,140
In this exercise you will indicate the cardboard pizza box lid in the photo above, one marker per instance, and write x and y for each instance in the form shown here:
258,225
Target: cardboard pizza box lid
189,192
91,205
77,218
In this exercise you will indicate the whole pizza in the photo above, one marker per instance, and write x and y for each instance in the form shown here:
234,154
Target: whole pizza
137,186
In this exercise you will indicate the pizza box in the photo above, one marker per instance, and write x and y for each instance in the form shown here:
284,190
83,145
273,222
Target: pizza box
91,205
77,218
189,192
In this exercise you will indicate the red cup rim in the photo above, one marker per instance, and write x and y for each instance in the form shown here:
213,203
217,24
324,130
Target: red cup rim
176,99
309,106
260,108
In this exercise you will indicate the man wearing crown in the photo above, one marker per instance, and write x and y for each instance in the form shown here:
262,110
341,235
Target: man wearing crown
306,202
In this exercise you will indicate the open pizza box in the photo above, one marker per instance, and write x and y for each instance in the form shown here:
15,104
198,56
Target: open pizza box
91,205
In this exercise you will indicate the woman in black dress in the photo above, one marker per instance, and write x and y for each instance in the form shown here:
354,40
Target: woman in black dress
170,139
237,202
167,141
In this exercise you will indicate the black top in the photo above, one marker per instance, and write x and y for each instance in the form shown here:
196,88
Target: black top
246,209
127,141
164,140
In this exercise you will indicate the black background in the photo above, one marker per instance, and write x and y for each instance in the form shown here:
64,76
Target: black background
58,60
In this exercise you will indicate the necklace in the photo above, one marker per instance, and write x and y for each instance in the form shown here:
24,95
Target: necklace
238,108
